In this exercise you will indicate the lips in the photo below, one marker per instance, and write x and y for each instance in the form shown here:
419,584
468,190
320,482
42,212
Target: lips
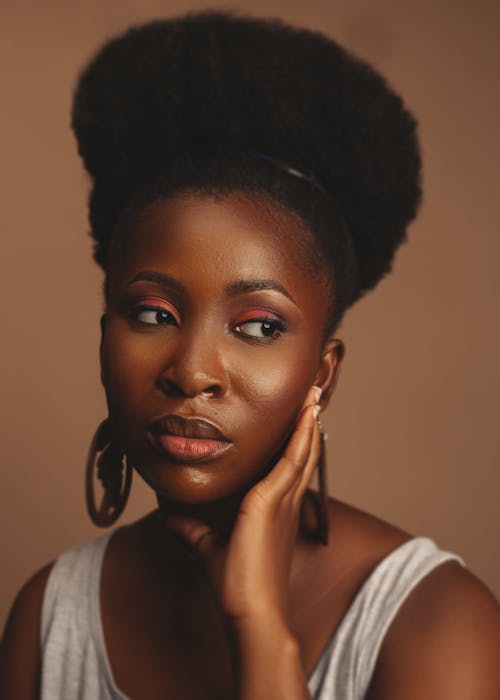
187,427
187,439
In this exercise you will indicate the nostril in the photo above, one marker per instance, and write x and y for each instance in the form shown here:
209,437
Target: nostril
213,390
189,387
169,387
188,373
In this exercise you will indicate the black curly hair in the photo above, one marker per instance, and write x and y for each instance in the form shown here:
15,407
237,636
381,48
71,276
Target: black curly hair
215,102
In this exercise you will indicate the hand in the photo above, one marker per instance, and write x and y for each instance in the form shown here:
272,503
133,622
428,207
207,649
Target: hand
250,574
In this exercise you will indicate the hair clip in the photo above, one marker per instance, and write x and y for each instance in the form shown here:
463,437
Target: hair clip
288,168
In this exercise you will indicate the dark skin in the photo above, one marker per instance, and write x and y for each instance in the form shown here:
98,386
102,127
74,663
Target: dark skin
253,608
197,362
209,357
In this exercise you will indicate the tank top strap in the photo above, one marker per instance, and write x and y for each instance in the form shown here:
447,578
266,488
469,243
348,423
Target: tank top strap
73,660
71,579
348,662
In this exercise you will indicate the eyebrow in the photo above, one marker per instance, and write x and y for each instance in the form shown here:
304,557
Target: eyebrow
232,289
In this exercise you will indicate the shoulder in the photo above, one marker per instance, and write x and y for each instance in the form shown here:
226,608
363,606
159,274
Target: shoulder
357,542
364,538
20,651
444,641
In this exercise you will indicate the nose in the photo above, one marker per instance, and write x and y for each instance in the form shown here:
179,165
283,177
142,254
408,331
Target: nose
195,367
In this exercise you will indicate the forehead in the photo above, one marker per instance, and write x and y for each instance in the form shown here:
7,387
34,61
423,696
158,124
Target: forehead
208,241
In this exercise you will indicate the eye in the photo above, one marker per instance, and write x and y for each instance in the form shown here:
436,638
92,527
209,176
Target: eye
262,328
153,315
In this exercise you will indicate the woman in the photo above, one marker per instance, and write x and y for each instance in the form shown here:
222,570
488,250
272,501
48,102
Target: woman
250,182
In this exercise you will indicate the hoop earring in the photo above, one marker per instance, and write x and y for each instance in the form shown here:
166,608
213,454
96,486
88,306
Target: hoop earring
110,461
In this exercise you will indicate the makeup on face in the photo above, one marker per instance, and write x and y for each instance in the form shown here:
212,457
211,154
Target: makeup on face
254,322
212,341
187,440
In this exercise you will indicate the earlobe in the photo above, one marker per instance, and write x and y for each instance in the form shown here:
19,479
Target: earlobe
329,369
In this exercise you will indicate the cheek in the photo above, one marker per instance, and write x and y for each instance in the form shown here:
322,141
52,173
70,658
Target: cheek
266,387
272,386
130,367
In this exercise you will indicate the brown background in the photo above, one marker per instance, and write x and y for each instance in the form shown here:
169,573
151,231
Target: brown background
414,428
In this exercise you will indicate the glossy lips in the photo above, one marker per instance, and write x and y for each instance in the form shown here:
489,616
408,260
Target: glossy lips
187,440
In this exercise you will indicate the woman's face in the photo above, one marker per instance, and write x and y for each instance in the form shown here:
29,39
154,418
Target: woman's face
213,313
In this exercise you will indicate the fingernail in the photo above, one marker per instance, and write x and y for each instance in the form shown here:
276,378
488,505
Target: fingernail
317,393
316,411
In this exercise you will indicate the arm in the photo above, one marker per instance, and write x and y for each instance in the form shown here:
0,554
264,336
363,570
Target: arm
20,653
444,642
250,574
268,662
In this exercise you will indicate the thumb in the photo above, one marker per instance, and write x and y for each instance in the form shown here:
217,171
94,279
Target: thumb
197,535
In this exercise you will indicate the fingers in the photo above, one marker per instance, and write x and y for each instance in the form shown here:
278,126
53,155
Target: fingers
301,451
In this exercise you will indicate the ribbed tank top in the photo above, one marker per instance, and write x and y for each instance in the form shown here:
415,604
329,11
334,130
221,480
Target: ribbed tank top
75,663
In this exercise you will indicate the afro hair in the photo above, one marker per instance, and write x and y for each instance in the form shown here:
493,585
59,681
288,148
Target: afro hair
217,86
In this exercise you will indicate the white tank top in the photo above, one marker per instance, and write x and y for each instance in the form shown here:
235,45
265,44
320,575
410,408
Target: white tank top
75,663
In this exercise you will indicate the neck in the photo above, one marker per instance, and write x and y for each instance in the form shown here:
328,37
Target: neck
220,516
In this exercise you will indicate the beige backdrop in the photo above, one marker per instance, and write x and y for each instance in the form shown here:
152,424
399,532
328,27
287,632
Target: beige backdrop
414,428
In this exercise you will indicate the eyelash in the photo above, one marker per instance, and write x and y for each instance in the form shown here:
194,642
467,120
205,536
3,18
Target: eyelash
142,308
278,325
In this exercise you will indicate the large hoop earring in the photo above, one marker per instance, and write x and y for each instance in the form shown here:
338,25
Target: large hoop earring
110,462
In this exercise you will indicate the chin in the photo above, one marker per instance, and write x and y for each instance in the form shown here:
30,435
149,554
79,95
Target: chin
191,485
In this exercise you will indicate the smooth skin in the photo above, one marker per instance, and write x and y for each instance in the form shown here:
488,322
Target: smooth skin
221,577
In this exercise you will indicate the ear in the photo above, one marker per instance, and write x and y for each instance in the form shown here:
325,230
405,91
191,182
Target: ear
329,369
101,343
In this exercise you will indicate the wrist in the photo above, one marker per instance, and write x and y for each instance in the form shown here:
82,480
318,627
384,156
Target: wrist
263,638
262,623
267,661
